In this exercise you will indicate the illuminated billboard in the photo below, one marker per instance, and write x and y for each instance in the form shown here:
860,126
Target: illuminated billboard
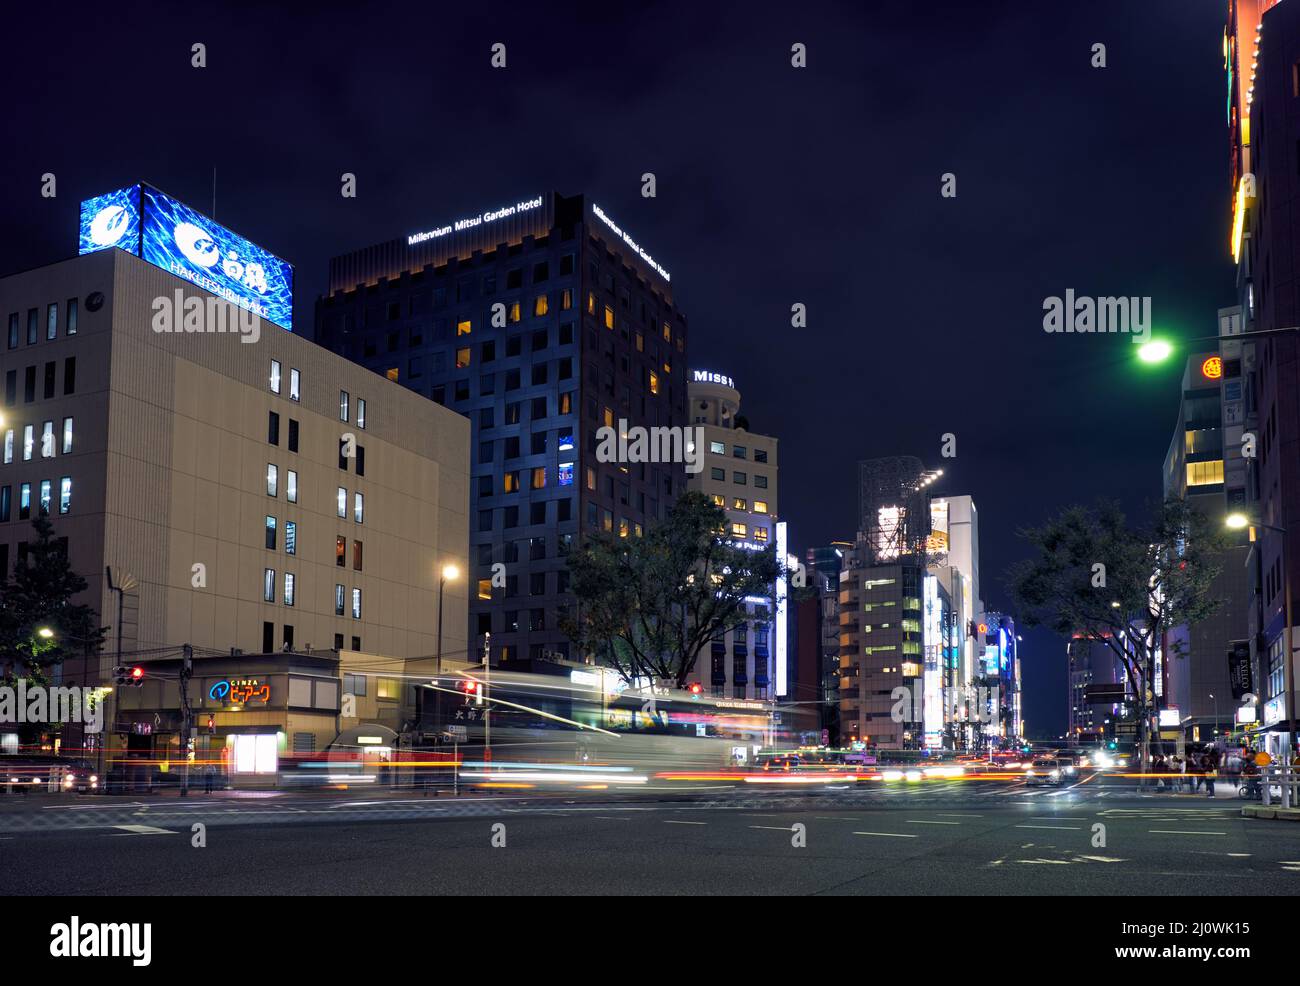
111,220
182,241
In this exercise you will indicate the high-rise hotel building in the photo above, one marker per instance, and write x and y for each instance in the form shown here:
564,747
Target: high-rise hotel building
540,320
739,474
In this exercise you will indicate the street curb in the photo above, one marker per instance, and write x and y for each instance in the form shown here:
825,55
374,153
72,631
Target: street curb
1278,814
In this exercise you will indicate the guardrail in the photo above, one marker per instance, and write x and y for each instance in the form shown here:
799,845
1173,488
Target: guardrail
1287,780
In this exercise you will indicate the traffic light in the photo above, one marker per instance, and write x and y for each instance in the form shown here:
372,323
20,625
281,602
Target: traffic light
122,675
695,688
137,676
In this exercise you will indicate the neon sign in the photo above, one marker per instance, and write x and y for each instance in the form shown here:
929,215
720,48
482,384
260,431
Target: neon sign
1212,368
708,376
469,222
637,249
239,691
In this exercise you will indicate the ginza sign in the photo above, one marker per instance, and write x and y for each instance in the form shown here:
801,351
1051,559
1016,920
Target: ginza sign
491,215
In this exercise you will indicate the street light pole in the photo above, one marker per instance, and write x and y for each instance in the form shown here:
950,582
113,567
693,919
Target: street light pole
1288,681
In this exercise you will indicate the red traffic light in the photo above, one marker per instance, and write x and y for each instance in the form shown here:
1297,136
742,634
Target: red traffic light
469,686
695,688
137,673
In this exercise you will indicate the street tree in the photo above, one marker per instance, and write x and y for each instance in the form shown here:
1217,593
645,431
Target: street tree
647,606
1096,576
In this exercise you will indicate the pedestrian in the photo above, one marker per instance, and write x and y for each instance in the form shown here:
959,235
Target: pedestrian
209,778
1194,768
1211,771
1177,768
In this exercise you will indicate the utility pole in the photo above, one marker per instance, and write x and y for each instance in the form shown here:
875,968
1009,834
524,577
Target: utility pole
487,705
187,669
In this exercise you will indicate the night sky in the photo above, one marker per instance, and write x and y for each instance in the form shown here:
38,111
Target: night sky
775,186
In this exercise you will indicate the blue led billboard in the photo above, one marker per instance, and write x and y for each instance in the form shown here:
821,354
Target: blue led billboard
190,245
111,220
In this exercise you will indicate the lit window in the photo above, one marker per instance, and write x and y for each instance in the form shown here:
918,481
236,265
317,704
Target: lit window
591,303
268,585
343,502
464,327
47,440
392,374
25,502
566,299
345,402
760,506
510,482
290,537
291,486
295,385
566,474
717,499
540,305
738,530
591,478
358,508
270,532
288,588
1204,473
623,527
718,448
275,376
361,412
668,333
538,481
654,382
272,479
29,442
340,595
356,604
609,417
462,357
65,494
9,446
67,437
485,588
45,497
738,503
760,533
515,312
609,317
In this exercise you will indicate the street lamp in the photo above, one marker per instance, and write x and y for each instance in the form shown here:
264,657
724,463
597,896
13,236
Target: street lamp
45,633
1236,521
449,574
1155,351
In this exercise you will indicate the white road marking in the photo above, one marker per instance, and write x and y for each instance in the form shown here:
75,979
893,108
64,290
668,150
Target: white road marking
1182,832
143,830
674,821
922,821
772,828
1068,828
888,835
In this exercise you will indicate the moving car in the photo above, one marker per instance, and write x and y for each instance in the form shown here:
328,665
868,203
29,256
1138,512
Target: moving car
1044,770
23,772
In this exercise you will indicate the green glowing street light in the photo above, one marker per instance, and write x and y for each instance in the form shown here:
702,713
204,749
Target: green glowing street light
1154,351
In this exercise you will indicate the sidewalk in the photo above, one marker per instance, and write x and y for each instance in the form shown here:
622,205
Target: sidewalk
1272,811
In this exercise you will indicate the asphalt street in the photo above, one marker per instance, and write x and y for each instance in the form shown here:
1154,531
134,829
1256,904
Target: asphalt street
930,838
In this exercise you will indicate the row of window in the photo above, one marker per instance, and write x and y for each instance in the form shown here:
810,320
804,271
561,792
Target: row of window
51,323
270,583
47,391
44,503
739,478
737,451
49,443
739,503
295,393
536,585
268,646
